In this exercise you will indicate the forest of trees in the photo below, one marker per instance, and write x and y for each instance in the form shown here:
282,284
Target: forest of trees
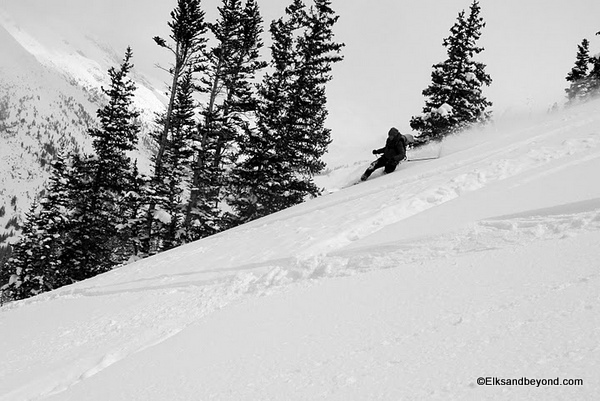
239,138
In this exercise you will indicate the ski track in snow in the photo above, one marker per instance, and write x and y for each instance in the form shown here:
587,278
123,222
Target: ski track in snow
172,302
265,279
465,175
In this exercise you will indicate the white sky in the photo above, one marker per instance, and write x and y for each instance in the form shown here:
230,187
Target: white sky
390,48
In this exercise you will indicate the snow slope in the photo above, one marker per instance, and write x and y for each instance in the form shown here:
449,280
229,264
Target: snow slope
410,286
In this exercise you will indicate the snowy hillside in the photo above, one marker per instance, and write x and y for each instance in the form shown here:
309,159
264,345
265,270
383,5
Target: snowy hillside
483,263
50,79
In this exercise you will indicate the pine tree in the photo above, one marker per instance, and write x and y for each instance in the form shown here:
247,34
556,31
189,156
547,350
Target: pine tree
595,74
264,173
168,194
578,74
74,233
593,77
455,99
21,278
284,152
318,52
233,65
103,179
188,30
37,263
133,214
188,47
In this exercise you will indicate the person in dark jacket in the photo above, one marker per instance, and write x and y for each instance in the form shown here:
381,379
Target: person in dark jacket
394,152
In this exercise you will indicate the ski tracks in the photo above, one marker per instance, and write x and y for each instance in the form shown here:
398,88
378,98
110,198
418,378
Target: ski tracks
432,186
171,303
177,307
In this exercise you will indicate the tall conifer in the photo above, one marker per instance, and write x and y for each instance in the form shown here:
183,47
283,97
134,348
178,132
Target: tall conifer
169,193
188,44
103,179
75,232
579,73
188,47
284,152
37,263
455,98
233,64
594,76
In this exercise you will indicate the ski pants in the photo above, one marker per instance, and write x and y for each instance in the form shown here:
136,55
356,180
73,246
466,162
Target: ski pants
389,165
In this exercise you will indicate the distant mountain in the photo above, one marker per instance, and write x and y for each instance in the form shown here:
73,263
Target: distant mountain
50,90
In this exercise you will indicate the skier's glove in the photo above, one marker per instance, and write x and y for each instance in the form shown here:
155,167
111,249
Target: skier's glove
374,151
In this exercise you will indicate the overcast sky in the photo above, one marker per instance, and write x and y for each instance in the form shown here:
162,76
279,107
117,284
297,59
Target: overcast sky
390,48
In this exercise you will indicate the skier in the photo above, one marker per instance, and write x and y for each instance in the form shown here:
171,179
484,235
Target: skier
394,152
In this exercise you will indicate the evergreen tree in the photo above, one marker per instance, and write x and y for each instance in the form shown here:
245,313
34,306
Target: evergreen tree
119,128
578,74
595,73
232,68
75,233
454,98
133,214
188,30
594,76
188,47
21,278
284,152
37,263
168,194
263,175
318,52
103,179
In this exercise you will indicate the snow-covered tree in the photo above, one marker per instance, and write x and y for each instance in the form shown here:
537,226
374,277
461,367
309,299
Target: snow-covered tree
133,214
584,77
103,179
455,97
578,76
594,76
75,231
37,263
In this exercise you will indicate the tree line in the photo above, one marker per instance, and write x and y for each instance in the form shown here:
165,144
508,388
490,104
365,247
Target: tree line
229,147
239,138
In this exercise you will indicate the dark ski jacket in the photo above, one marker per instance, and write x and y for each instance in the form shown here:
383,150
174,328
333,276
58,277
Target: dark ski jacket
394,150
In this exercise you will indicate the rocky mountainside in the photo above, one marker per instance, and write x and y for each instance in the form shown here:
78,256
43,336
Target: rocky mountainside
50,90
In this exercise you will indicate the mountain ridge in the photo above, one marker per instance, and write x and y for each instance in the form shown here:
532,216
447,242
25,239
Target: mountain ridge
49,102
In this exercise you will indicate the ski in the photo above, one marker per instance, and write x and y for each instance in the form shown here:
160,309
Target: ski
422,158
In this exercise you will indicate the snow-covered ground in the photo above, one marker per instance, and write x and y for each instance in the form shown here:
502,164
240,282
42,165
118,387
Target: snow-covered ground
410,286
